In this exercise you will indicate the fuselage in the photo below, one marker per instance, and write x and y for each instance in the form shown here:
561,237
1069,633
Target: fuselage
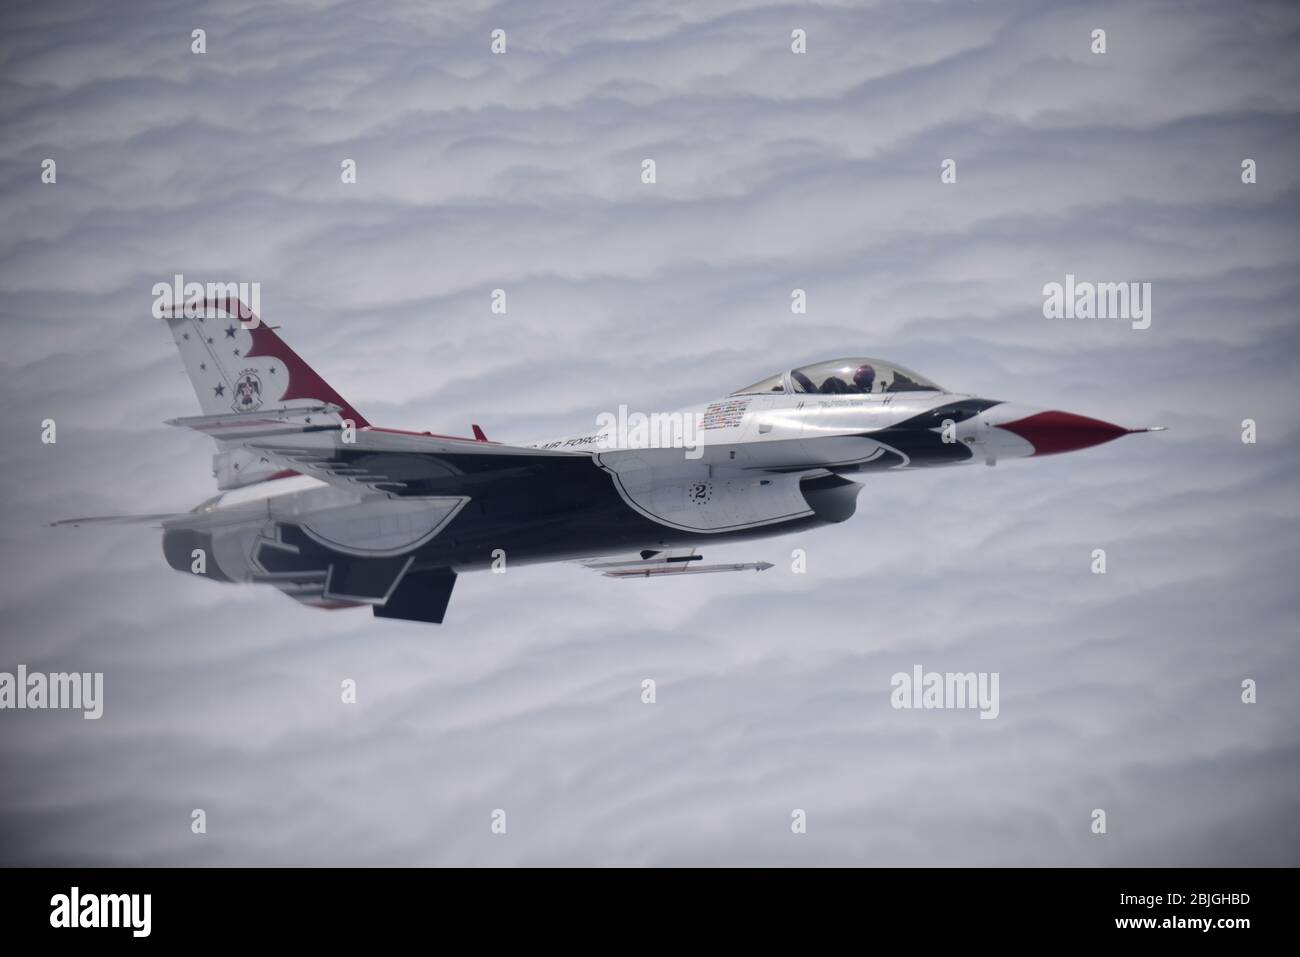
782,456
756,466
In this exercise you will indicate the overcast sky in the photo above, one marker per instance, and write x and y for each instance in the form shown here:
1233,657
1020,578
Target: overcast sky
775,171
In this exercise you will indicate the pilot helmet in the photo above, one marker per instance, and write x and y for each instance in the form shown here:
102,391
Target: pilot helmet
864,377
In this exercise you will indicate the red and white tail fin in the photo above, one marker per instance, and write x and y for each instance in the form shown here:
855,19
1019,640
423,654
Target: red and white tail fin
238,364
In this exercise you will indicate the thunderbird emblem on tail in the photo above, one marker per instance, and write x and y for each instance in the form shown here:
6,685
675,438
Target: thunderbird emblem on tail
248,392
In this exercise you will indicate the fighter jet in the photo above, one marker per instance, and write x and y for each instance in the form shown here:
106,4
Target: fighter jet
337,513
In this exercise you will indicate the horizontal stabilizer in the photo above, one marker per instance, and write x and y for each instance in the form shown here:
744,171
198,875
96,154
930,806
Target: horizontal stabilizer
154,520
265,423
237,427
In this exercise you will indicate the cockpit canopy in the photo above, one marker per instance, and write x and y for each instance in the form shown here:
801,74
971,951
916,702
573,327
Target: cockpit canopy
855,376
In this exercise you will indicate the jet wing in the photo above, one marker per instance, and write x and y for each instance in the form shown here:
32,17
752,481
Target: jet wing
655,564
403,464
315,442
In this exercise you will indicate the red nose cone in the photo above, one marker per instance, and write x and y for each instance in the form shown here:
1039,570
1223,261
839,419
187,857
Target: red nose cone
1052,432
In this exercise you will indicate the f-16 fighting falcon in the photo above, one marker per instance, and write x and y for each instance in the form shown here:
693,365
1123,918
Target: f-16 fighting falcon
336,512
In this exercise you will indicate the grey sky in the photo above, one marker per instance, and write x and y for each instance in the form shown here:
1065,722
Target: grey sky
775,171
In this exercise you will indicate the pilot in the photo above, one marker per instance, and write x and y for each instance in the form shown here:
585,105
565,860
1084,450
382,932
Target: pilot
864,378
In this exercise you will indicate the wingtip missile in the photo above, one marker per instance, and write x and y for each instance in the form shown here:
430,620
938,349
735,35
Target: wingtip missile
657,571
